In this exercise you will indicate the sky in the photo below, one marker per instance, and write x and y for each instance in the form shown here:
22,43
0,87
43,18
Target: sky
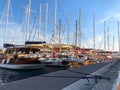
104,10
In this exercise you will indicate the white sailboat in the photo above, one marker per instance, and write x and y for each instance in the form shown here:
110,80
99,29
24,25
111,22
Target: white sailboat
11,60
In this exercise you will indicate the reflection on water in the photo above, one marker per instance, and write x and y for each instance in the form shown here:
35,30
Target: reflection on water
7,75
117,83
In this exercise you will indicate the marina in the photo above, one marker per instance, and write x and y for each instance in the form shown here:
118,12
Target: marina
55,45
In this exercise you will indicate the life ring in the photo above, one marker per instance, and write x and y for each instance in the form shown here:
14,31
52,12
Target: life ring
87,62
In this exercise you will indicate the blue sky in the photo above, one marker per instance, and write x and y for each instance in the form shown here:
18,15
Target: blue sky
105,10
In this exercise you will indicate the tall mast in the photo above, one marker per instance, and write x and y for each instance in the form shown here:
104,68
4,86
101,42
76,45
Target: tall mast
94,31
27,19
68,30
39,22
80,27
6,27
55,21
113,43
46,19
104,36
76,33
25,31
60,32
119,36
108,39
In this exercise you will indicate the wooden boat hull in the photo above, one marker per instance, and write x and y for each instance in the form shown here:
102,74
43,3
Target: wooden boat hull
22,66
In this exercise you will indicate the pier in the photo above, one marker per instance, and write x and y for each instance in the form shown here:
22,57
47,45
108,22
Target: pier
82,78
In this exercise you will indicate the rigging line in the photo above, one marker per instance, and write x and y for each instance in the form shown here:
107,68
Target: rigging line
63,31
4,13
86,41
17,32
11,14
100,43
35,30
33,25
63,6
34,35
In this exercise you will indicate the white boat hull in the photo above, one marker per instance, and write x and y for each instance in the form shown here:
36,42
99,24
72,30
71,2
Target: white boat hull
22,66
55,63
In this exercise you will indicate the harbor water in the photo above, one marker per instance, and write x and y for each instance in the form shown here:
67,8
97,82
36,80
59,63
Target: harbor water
7,75
117,82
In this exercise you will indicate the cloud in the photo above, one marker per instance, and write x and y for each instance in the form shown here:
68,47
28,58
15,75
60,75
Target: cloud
114,17
105,19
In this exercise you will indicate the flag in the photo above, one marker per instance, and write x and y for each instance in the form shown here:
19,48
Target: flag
76,52
111,52
83,50
54,53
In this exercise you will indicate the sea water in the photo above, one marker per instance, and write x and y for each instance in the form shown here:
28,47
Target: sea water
7,75
117,82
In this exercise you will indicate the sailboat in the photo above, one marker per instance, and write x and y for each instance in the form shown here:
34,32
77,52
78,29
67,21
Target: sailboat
54,61
18,57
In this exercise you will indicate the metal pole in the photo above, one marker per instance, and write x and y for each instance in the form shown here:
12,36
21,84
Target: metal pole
76,39
119,37
39,22
104,36
46,21
113,43
80,28
94,31
8,6
55,21
68,30
108,39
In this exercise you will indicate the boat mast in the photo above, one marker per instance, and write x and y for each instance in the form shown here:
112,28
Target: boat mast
27,22
55,21
113,43
39,22
76,37
104,36
68,29
94,31
108,39
60,31
46,19
24,36
80,27
119,36
6,27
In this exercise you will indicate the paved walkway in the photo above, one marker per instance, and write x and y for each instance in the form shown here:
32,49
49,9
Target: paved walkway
110,73
60,79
